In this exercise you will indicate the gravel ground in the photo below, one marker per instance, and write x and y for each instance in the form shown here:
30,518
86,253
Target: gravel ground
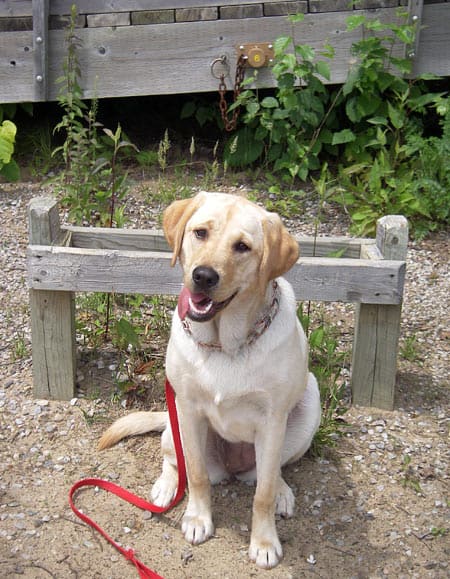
375,506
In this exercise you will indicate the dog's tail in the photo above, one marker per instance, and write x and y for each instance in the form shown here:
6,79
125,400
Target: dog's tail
132,424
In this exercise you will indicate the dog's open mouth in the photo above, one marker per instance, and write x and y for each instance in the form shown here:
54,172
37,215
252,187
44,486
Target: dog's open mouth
198,306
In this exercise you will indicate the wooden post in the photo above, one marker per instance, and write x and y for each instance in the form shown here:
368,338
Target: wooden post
40,47
377,327
52,315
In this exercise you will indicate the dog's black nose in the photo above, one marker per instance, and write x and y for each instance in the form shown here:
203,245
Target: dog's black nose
205,278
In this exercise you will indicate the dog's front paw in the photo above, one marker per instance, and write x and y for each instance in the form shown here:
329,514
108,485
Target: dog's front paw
285,500
197,529
265,553
164,490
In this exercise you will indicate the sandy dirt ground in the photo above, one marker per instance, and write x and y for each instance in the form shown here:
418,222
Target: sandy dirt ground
376,505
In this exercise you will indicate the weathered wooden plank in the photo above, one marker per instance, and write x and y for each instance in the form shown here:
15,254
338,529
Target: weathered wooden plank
152,59
285,8
376,339
43,221
415,9
241,11
194,14
89,7
52,316
15,8
433,51
325,279
176,58
53,344
372,4
109,19
347,280
328,5
16,67
153,240
16,24
377,328
40,49
157,59
23,7
153,17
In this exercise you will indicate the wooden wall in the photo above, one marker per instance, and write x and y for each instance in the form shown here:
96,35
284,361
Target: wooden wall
143,47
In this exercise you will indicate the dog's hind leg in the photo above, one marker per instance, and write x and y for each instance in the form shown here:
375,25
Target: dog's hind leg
302,424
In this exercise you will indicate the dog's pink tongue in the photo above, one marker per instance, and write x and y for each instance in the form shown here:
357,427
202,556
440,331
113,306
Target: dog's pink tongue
183,301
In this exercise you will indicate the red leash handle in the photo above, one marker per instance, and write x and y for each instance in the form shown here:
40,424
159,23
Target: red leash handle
144,572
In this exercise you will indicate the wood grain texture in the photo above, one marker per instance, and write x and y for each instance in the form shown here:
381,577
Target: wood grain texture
313,278
53,344
52,315
176,58
377,327
154,240
40,49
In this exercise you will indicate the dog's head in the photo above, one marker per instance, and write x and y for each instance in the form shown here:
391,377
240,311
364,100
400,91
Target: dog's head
227,246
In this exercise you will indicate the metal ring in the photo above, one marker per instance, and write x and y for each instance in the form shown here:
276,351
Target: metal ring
224,62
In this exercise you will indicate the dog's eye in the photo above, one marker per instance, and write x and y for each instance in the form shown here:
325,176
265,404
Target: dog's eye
241,247
200,233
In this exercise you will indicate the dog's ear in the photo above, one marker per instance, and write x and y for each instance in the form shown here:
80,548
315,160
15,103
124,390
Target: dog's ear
174,222
280,251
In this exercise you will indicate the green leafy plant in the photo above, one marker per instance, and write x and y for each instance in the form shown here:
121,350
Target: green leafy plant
327,361
409,349
386,112
8,167
288,130
90,182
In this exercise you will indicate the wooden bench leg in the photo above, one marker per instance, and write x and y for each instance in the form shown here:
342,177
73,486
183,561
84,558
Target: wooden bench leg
52,331
52,316
377,329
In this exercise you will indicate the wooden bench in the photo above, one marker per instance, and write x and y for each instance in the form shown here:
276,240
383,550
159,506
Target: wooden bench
65,259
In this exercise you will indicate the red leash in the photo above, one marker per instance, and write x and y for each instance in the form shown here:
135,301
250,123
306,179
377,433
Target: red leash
144,572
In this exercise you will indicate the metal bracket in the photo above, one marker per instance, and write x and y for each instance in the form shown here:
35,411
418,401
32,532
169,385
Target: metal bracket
257,54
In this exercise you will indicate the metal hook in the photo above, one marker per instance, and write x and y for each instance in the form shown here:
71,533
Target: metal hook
223,61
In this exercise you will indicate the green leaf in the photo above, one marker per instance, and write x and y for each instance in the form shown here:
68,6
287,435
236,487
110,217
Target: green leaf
396,116
289,61
295,18
269,103
323,69
127,332
109,133
355,21
7,137
243,149
344,136
280,45
378,121
188,110
11,171
252,109
316,337
306,52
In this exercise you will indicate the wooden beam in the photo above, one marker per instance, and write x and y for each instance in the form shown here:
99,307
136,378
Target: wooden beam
154,240
324,279
176,58
377,328
52,316
40,47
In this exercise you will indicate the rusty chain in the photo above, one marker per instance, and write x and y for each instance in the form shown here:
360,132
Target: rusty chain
231,122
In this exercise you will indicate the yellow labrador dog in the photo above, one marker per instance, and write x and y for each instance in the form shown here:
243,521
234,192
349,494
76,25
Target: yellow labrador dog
237,359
